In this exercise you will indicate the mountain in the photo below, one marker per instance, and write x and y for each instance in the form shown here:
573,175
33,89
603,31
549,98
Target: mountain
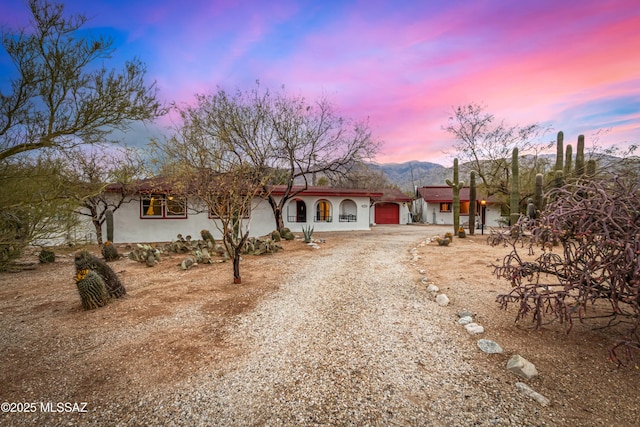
414,173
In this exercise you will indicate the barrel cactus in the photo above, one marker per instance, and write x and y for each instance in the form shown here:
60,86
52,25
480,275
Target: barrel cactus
109,251
92,289
208,238
84,260
286,234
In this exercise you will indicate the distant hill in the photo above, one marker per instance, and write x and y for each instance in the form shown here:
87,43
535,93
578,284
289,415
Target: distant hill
414,173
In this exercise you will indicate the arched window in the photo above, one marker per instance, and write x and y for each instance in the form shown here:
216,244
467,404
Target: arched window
323,211
348,211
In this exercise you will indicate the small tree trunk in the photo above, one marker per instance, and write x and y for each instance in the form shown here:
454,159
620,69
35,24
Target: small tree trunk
236,268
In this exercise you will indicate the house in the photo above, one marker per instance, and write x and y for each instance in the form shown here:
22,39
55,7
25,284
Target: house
435,205
391,208
153,215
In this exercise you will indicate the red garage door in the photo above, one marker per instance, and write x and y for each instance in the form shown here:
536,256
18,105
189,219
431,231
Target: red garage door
387,213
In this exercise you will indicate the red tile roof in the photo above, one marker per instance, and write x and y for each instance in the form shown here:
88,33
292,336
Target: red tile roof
278,190
442,194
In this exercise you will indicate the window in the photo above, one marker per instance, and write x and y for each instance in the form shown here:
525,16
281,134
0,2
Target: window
348,211
323,211
445,207
464,208
162,206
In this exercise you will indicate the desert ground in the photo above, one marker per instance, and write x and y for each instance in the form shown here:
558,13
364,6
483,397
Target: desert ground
344,334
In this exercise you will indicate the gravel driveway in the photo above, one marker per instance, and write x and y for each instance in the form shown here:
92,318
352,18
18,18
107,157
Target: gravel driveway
351,338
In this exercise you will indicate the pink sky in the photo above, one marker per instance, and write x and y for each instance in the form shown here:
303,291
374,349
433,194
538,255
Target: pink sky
573,66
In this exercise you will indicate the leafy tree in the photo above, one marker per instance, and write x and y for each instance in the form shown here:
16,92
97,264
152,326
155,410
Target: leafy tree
284,136
59,98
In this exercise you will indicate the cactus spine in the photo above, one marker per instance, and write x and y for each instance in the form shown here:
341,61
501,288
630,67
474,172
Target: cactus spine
559,150
537,195
580,157
108,215
456,186
515,187
92,289
567,161
472,203
86,261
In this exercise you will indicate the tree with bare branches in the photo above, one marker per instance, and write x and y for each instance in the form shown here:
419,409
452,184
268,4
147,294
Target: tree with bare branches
284,136
596,224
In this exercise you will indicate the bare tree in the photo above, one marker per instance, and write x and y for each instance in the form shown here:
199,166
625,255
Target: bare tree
88,172
284,136
204,169
485,145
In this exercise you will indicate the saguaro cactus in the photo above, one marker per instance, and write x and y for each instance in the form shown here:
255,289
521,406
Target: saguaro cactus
537,195
456,186
580,157
559,150
515,188
108,216
567,160
472,203
591,168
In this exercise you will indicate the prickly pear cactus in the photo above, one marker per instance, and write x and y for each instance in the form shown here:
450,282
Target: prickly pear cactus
92,289
86,261
109,251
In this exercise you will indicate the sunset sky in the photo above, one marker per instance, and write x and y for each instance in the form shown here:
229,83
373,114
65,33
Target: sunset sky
572,65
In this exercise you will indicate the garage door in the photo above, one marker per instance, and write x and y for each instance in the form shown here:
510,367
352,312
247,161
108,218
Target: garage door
387,213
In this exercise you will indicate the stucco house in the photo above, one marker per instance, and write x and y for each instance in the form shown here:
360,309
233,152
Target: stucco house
152,215
434,205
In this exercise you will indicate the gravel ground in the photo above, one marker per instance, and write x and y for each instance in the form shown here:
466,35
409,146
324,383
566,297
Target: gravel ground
352,338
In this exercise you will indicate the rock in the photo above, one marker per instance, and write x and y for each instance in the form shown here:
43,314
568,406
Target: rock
313,245
465,320
474,328
465,313
442,300
528,391
421,271
433,288
424,280
489,346
522,367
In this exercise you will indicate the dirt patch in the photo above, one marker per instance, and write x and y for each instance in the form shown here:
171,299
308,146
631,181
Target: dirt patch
174,324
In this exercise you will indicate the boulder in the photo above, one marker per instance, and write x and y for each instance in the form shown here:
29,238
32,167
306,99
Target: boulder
490,347
474,328
522,367
442,300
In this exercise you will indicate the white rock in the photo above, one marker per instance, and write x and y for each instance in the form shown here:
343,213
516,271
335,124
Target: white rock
442,300
433,288
489,346
474,328
528,391
465,320
522,367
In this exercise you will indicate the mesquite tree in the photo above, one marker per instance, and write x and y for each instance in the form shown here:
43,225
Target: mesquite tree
597,224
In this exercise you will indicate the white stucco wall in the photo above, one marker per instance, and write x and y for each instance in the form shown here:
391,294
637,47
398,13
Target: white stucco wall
358,206
130,227
431,214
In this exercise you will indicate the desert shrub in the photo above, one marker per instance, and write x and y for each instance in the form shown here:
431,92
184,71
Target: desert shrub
597,226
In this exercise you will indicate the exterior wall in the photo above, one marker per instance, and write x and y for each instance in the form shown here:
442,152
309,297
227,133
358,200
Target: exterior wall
358,206
129,227
431,214
405,213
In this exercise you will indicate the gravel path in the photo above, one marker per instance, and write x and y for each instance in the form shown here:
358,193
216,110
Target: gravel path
352,338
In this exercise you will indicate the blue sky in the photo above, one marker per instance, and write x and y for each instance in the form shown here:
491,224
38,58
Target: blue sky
572,66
